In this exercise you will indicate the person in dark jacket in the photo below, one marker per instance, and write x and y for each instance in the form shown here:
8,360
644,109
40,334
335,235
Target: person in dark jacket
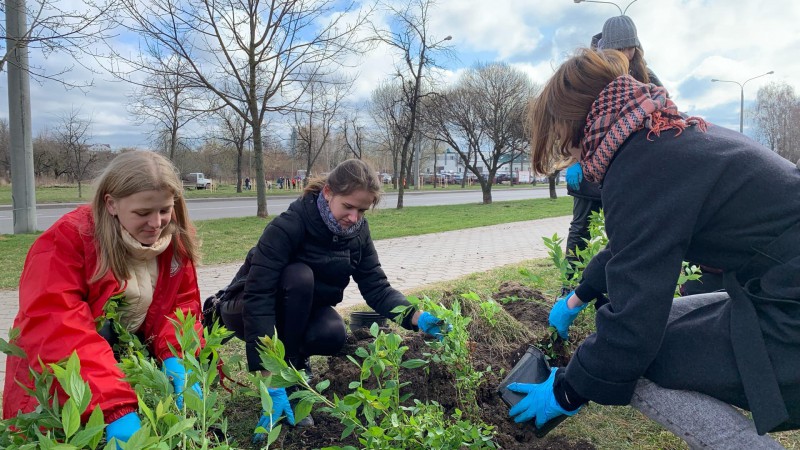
675,188
619,33
296,274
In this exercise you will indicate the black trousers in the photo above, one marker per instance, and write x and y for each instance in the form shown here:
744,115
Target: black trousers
579,227
304,326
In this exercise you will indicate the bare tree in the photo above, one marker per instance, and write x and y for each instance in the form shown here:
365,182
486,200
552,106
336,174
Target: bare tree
247,52
233,130
315,116
73,137
777,120
353,135
165,100
384,109
53,29
412,39
482,119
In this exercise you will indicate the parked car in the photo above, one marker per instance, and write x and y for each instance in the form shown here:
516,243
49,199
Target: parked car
505,178
386,178
196,180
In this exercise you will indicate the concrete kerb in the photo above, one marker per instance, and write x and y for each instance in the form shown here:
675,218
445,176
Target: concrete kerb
407,261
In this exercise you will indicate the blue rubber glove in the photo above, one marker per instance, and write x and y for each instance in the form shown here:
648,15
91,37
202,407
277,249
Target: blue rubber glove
123,428
177,374
575,176
540,402
561,316
280,409
432,325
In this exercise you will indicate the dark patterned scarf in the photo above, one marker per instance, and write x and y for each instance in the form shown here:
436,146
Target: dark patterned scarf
622,108
327,217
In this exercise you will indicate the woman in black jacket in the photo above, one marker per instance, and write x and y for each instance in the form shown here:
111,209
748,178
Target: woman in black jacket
292,279
675,188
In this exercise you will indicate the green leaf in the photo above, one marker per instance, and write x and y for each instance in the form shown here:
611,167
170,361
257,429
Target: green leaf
302,410
413,363
11,349
273,435
85,437
180,427
96,419
322,385
70,418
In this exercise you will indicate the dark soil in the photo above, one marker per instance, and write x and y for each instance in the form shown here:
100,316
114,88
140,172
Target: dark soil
438,384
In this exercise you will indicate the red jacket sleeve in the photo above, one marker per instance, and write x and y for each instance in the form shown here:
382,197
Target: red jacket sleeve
55,318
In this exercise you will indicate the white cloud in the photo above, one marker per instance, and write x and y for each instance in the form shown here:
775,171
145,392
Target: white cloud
686,42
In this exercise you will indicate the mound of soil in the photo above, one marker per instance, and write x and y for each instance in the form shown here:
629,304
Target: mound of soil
438,384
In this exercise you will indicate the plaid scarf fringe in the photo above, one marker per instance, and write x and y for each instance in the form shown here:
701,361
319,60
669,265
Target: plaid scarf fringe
624,107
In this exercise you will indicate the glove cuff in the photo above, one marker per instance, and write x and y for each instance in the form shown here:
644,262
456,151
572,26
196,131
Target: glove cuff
567,398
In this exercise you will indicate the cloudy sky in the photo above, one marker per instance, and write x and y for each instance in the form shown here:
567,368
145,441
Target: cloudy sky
686,43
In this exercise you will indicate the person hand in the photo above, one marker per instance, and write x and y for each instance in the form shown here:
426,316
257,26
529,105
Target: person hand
562,316
574,176
431,324
123,428
280,409
174,369
539,402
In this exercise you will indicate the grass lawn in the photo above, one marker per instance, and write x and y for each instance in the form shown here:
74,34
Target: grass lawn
226,240
69,193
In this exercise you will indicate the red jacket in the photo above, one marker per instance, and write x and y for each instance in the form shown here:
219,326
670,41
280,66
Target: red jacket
58,308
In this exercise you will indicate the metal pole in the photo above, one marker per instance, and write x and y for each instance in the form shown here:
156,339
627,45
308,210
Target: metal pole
23,186
741,111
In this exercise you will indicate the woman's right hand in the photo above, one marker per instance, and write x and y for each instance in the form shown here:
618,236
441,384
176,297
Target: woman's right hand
280,409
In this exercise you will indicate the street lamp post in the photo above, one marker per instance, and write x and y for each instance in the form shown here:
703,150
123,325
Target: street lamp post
621,11
741,97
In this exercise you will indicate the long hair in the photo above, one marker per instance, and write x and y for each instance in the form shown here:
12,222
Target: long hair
127,174
638,66
557,116
349,176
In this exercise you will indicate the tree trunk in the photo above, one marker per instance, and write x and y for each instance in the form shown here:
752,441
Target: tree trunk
551,180
261,185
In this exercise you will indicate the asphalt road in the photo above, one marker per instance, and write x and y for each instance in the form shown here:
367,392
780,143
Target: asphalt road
203,209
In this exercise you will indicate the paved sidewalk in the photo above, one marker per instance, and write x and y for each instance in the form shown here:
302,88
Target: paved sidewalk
409,262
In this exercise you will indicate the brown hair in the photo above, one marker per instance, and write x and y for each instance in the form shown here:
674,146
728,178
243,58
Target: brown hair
638,66
127,174
557,116
349,176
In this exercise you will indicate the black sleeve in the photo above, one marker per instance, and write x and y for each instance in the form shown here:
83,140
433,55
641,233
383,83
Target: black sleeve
375,287
270,256
649,220
654,78
593,280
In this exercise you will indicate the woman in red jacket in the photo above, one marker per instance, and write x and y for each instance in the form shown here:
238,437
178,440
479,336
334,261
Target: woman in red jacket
135,239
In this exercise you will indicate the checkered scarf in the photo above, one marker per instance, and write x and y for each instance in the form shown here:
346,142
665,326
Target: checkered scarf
624,107
333,225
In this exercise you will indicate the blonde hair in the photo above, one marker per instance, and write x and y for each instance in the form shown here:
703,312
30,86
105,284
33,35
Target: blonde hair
557,116
349,176
127,174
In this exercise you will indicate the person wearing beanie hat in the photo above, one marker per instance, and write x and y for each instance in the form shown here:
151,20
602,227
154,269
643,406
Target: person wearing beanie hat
619,33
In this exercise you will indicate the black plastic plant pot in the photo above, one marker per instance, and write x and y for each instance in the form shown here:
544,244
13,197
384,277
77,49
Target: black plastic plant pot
365,319
531,368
